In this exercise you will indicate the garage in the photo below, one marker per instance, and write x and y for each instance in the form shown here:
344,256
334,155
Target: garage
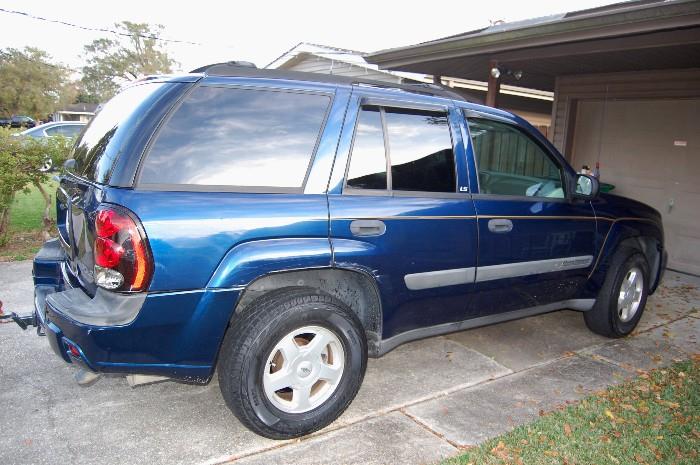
650,150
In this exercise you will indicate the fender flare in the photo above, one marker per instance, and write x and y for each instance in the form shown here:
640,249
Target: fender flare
248,261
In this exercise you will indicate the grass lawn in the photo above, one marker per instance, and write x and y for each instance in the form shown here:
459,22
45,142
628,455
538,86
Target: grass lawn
650,420
25,224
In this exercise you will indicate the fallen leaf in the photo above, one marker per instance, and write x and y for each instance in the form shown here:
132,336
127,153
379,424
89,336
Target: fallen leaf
551,453
567,430
609,414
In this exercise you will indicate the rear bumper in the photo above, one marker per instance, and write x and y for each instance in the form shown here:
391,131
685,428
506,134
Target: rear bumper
172,334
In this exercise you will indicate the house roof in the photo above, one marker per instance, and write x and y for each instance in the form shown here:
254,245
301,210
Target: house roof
352,57
303,50
634,35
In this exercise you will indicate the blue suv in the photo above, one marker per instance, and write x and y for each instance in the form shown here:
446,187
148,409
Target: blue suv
279,228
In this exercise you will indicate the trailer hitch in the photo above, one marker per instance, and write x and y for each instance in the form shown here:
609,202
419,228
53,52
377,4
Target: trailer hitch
23,321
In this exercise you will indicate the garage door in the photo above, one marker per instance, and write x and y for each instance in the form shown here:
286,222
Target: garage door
650,150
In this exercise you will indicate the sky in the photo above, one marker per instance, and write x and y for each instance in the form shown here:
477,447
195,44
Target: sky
260,31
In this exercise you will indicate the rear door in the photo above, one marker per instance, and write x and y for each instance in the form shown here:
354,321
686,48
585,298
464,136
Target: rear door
536,247
396,208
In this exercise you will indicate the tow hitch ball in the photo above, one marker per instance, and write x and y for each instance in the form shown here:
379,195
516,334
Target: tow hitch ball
22,320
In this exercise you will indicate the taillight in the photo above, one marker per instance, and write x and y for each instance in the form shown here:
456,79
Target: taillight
122,258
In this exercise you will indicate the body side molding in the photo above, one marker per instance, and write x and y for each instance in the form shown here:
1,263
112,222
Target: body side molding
440,278
451,277
514,270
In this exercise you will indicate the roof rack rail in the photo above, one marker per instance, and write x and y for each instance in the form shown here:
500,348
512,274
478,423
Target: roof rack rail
248,70
423,88
223,68
437,88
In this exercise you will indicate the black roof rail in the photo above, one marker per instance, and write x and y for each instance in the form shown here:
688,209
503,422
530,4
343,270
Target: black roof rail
423,88
245,69
224,68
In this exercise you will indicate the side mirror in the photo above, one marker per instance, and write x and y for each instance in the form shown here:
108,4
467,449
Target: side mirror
69,165
587,187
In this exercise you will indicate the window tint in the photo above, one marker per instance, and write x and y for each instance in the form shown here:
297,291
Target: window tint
238,137
98,147
368,162
511,163
420,149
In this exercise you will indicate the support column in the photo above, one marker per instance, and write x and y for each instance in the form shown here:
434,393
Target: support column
437,80
494,86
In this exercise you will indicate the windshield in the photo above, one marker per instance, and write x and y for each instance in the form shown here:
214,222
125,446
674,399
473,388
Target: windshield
100,144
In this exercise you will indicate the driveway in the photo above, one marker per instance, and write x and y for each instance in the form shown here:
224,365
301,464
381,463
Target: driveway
420,403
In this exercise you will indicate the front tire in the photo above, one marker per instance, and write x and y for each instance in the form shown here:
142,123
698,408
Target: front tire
292,362
621,301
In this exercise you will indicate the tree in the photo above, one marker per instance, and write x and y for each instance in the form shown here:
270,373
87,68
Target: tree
111,63
31,84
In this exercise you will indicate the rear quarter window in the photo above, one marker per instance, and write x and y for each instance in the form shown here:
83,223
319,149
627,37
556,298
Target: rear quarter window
237,137
99,146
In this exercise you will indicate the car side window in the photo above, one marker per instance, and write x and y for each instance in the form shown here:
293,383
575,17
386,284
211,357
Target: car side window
419,150
238,137
510,162
68,130
368,164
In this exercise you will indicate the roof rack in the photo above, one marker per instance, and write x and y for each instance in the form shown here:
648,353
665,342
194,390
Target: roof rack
245,69
223,68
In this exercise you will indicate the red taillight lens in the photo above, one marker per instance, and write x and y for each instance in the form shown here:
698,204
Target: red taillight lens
122,258
104,226
108,253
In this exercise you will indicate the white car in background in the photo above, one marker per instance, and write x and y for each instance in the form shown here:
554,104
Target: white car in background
68,129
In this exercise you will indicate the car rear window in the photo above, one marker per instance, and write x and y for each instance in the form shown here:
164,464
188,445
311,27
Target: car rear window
101,142
237,137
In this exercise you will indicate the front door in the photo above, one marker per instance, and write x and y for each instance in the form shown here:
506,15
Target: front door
536,247
396,209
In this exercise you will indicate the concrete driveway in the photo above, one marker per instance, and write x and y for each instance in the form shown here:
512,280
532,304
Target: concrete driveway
420,403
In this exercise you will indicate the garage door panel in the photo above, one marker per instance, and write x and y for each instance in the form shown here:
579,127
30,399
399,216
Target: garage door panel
650,150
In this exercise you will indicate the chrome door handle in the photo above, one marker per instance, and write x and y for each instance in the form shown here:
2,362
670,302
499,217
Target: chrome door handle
367,228
500,225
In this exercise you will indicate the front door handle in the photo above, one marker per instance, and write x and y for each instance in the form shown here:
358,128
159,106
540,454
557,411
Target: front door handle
500,225
367,228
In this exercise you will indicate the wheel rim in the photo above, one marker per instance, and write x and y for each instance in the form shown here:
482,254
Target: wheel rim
630,296
304,369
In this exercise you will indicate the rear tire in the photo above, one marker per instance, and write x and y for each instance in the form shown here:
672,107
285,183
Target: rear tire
621,301
273,376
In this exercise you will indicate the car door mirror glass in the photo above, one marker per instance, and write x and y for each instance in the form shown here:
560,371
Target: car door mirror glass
586,186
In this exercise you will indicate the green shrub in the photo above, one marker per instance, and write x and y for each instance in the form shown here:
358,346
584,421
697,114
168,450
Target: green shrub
20,161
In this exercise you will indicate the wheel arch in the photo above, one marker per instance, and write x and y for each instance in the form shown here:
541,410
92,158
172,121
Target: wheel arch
645,237
355,288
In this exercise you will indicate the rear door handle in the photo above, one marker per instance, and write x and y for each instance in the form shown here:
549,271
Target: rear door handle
367,228
500,225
